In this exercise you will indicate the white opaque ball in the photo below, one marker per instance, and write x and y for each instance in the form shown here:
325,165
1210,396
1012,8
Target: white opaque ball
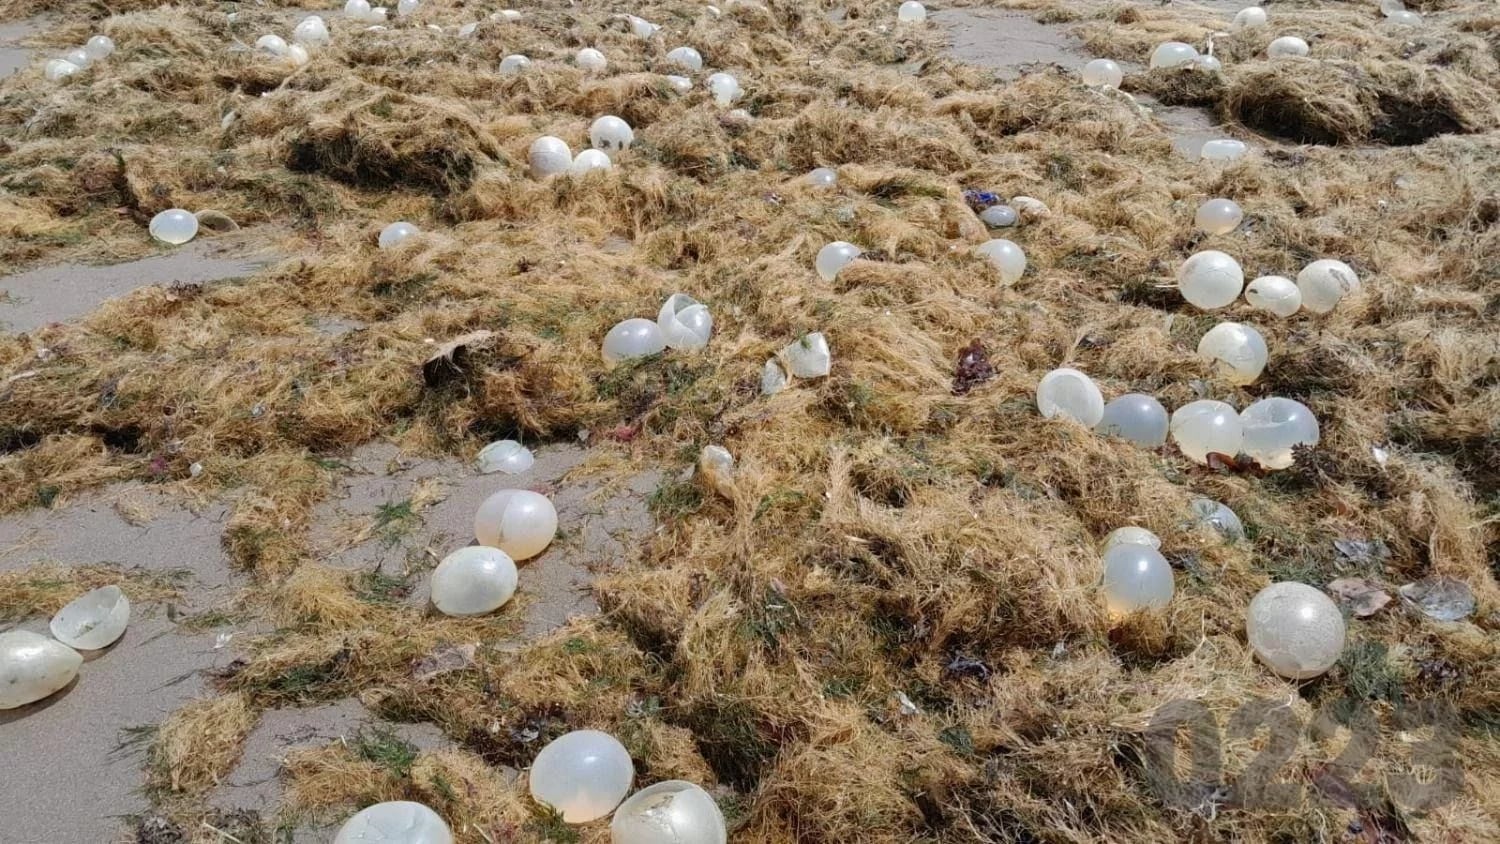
56,70
549,156
473,581
1223,149
1208,64
33,667
680,84
397,233
78,56
272,44
1273,427
1005,256
834,257
1217,516
685,322
99,47
1287,45
513,64
1295,629
1403,18
591,60
1249,18
1103,73
1323,283
1237,350
1130,535
519,522
357,9
297,54
911,12
1210,279
1070,393
1136,417
1136,577
686,57
311,32
823,177
1219,216
507,456
590,159
1388,6
611,134
633,338
1274,294
671,812
174,226
583,775
396,822
1206,426
809,357
404,8
999,217
93,620
1173,54
725,88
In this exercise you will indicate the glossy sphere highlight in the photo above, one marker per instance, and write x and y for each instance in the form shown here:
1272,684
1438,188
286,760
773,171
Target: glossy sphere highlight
823,177
633,338
1136,417
397,822
1273,427
397,233
1136,577
589,159
1068,392
549,156
834,257
33,667
1206,426
311,32
1219,216
671,812
1287,45
686,57
685,322
1131,535
1210,279
725,88
611,134
911,12
519,522
1249,18
99,47
1223,149
505,456
1274,294
1323,283
1005,256
583,775
1173,54
1103,73
473,581
1295,629
93,620
174,226
513,64
1238,351
1219,517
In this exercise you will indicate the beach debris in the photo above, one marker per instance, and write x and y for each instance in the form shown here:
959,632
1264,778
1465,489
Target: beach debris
1219,216
583,775
680,84
591,60
673,811
999,216
1223,520
396,234
1005,256
505,456
973,368
633,338
1287,46
1103,73
1136,417
549,156
1250,17
1210,279
398,822
33,667
1130,535
1223,149
834,257
716,467
590,159
1206,427
1173,54
1296,630
99,47
1325,282
685,322
808,357
513,64
93,620
1273,429
911,12
611,134
174,226
1403,17
55,70
822,177
1237,351
1363,597
519,522
473,581
311,31
1030,208
773,379
1069,393
725,88
640,27
686,58
1274,294
1440,598
1136,577
448,360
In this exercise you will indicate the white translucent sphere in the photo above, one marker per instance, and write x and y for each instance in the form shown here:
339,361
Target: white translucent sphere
1136,577
834,257
1173,54
549,156
1237,350
1068,392
640,27
56,70
1006,257
1274,294
1273,427
174,226
311,32
297,54
611,134
583,775
406,7
78,56
1210,279
1287,45
1208,64
1130,535
519,522
671,812
513,64
686,57
1252,17
809,357
1323,283
1223,149
1103,73
1404,18
1295,629
273,44
633,338
999,217
1207,426
1217,516
99,47
506,456
397,233
591,60
1136,417
397,822
357,9
33,667
93,620
1219,216
911,12
685,322
680,84
823,177
1388,6
725,88
473,581
590,159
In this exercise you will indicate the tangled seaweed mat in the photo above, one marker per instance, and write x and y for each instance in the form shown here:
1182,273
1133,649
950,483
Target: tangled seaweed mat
890,632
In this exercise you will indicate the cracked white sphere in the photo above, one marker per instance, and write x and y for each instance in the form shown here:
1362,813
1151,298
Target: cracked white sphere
823,177
519,522
633,338
1237,351
1273,427
591,60
506,456
1323,283
834,257
1130,535
1210,279
1172,54
1217,516
671,812
1136,577
911,12
396,822
687,58
1206,426
1274,294
1295,629
1070,393
590,159
99,47
1005,256
1136,417
809,357
1251,17
583,775
311,32
513,64
33,667
1287,45
999,216
549,156
473,581
725,88
93,620
611,134
1103,73
174,226
396,234
685,322
1219,216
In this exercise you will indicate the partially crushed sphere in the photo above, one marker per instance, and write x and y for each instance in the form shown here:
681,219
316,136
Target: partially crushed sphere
396,822
1103,73
1238,351
396,234
519,522
33,667
174,226
93,620
99,47
716,467
549,156
1275,426
685,322
725,88
1206,426
1172,54
823,177
1223,149
911,12
583,775
56,70
1323,283
273,44
834,257
1287,45
591,60
1249,18
999,216
680,84
1069,393
671,812
311,32
1005,256
1210,279
1219,216
589,159
1130,535
1136,417
1295,629
1136,577
1218,516
773,378
687,58
513,64
473,581
611,134
633,338
1274,294
507,456
808,357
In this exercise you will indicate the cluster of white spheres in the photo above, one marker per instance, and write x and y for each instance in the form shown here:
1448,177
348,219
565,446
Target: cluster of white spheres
685,322
275,45
725,88
174,225
1219,216
1324,282
1206,426
97,48
611,134
1136,417
1210,279
686,58
360,10
1273,427
1103,73
1172,54
911,12
1237,351
1251,17
513,64
591,60
93,620
549,156
519,522
1006,256
590,159
1069,393
583,775
1274,294
1295,629
834,257
396,234
999,216
671,812
1218,516
1287,45
473,581
33,667
396,822
1136,577
822,177
1223,149
633,338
